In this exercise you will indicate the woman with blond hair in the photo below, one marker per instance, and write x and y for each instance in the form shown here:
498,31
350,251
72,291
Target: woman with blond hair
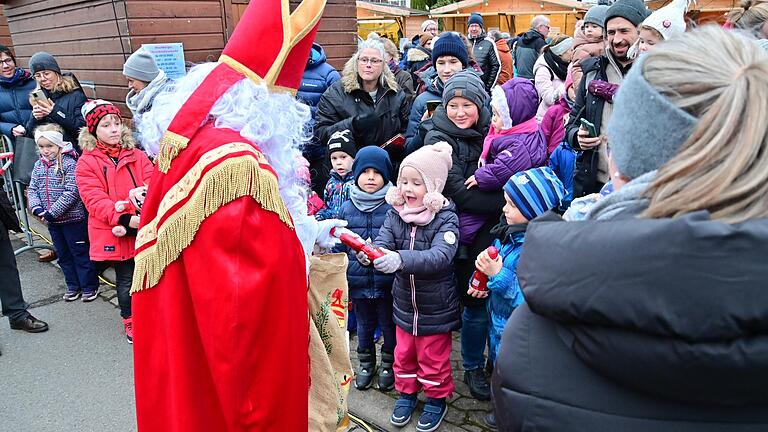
656,318
752,16
63,98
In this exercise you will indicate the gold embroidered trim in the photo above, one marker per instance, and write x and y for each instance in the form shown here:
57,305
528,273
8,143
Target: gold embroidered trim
231,179
170,146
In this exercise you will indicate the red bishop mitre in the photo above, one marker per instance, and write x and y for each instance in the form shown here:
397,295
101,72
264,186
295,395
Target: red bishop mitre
270,46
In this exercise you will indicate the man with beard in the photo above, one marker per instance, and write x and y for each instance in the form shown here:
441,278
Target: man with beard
594,97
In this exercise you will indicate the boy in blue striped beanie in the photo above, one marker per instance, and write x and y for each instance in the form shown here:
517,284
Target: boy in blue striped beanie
528,194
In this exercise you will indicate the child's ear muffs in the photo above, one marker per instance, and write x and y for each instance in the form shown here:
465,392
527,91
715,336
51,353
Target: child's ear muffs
394,196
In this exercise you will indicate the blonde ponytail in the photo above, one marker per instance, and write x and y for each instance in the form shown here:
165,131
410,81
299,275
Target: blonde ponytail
723,167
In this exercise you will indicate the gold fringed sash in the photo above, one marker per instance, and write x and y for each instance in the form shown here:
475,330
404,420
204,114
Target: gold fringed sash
231,179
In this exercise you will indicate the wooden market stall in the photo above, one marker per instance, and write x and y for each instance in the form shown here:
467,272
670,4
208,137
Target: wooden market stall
92,38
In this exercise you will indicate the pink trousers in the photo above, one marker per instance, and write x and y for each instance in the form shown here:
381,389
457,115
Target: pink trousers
423,362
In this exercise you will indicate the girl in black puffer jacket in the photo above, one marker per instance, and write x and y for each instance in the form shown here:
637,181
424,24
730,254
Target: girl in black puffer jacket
64,102
420,238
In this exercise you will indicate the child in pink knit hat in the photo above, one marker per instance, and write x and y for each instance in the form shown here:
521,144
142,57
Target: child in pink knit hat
420,238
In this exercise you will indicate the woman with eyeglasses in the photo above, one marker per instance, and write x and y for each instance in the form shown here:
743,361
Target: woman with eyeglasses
367,100
63,98
15,86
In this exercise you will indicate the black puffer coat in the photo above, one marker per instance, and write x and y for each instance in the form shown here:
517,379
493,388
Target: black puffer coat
365,282
424,291
484,51
66,113
346,99
638,325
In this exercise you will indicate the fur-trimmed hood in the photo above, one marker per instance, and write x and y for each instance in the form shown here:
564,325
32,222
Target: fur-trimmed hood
418,54
88,142
351,80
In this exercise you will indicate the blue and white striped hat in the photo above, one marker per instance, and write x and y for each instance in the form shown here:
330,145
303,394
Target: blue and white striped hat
535,191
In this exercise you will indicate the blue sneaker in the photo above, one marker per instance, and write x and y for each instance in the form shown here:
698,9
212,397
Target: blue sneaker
433,415
71,295
404,407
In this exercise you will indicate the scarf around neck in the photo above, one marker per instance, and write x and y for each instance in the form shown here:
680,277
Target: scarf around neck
558,66
526,127
141,102
112,151
18,75
420,216
367,202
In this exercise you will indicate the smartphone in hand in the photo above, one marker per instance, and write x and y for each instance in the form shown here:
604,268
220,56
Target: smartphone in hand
586,124
432,106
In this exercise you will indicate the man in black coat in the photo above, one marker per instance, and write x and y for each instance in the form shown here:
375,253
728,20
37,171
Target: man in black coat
483,50
594,97
11,298
528,47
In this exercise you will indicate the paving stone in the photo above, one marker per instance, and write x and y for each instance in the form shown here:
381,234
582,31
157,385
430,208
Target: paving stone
469,403
114,302
474,428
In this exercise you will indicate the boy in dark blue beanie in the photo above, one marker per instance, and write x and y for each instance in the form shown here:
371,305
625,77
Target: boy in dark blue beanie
341,151
370,290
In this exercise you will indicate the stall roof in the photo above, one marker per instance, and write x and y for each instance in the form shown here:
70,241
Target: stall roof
390,10
453,9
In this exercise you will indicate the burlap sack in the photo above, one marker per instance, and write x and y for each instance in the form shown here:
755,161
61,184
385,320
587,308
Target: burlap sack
330,368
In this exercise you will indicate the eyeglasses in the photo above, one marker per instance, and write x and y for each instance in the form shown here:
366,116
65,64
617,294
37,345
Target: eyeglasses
430,29
371,61
8,61
43,74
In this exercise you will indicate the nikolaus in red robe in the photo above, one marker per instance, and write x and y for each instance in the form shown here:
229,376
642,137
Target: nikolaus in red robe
220,288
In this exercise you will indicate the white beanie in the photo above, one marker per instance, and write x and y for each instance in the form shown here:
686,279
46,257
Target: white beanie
669,21
426,24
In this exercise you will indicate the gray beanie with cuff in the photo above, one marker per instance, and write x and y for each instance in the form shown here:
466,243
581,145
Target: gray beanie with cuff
42,61
466,84
645,130
596,15
633,11
141,66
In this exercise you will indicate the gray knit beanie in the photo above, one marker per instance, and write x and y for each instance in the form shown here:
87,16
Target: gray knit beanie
466,84
141,66
633,11
646,130
42,61
596,15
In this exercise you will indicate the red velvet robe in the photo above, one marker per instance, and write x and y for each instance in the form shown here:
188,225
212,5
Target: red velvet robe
221,340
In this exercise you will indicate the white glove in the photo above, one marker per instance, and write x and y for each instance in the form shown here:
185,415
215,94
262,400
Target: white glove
389,263
363,258
324,238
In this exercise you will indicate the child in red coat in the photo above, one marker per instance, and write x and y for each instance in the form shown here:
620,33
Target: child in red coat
108,170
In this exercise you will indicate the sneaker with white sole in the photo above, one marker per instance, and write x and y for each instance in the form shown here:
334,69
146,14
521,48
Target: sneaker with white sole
90,296
71,296
404,407
128,324
433,414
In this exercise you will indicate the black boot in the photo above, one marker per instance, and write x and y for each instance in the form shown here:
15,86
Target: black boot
478,384
386,374
367,371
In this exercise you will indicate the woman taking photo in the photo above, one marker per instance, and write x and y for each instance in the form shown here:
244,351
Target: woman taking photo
56,99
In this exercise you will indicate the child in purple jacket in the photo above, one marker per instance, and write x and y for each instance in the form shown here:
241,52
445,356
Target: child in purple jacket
514,142
54,199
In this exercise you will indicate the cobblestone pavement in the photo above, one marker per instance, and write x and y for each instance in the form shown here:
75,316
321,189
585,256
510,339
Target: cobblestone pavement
374,407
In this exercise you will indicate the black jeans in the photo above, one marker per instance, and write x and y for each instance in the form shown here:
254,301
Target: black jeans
124,274
371,312
14,306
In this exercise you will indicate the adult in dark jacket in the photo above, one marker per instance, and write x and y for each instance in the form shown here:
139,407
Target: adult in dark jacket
449,55
367,100
448,124
318,76
15,86
11,297
417,57
594,97
403,77
660,338
483,50
64,102
528,47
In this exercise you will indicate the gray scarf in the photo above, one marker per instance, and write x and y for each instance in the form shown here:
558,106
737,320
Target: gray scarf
366,202
629,198
141,102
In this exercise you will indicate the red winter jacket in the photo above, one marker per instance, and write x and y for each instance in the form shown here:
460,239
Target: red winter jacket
101,184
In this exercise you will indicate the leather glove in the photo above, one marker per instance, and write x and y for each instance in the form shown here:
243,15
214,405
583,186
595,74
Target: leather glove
48,216
363,126
363,258
389,263
603,89
38,211
324,238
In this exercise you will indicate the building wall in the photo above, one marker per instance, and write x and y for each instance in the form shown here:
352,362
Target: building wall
5,33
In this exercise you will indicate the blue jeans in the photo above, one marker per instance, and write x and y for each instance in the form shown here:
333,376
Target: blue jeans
474,336
370,313
71,242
